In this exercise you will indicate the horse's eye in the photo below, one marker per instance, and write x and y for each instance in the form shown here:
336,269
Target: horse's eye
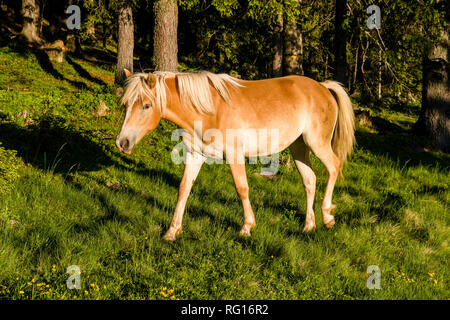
147,106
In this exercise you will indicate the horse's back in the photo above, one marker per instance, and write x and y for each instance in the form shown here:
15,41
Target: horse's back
284,93
276,102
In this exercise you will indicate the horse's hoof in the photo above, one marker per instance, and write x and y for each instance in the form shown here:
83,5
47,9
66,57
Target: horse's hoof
245,231
309,228
328,218
329,223
171,235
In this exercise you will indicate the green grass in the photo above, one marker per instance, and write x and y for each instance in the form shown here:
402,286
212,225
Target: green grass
68,197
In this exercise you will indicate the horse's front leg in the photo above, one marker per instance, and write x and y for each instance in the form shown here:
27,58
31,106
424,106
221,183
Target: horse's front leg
240,181
191,170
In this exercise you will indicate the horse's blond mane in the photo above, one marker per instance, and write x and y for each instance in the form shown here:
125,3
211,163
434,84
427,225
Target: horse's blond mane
193,88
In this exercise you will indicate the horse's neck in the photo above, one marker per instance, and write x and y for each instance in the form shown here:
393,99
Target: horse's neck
183,117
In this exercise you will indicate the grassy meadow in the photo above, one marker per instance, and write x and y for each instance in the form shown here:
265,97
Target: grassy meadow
68,197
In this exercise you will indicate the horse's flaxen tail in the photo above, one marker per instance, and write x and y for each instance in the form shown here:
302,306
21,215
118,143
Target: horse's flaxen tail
344,131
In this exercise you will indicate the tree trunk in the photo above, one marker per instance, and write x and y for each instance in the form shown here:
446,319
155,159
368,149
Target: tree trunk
380,73
277,67
125,43
355,71
434,119
105,34
340,43
31,21
165,35
91,30
73,42
293,46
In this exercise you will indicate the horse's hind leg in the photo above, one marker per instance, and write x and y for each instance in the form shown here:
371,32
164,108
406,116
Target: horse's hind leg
300,153
322,149
333,165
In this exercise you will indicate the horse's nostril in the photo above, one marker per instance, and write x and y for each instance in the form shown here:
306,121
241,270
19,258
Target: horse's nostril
125,143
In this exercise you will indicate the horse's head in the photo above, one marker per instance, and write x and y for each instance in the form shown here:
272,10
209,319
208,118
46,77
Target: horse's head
142,115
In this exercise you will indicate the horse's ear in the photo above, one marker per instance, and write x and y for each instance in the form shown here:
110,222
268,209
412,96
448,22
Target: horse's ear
151,80
127,73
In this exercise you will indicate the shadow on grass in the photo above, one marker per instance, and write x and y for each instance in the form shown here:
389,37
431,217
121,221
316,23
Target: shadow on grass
46,65
52,145
112,213
103,56
192,210
225,221
83,73
401,146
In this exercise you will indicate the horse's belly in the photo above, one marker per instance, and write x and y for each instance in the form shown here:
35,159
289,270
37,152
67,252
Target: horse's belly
246,142
266,142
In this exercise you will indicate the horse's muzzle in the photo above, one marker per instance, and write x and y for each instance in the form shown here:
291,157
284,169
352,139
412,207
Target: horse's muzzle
125,144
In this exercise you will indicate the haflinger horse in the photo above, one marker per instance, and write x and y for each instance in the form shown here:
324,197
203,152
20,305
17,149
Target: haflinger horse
307,116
